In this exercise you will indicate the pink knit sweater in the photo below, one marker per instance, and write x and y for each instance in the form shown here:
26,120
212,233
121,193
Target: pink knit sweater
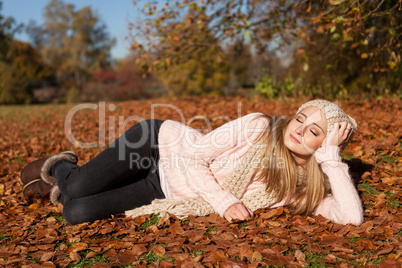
192,164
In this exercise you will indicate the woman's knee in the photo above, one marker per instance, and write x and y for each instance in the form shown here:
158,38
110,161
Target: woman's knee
76,211
75,186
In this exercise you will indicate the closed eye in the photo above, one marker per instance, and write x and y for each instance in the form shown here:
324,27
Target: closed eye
313,133
298,120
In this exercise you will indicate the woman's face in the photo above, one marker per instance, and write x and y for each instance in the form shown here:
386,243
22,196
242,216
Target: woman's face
305,133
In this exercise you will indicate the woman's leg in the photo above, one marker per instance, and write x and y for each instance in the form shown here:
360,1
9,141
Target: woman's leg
103,205
130,158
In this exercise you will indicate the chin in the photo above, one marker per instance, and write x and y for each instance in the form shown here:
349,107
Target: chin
293,149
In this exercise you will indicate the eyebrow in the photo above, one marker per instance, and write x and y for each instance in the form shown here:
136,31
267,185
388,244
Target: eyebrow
314,123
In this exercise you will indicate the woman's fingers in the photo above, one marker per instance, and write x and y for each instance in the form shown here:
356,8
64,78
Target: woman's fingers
346,135
340,133
332,136
240,212
237,211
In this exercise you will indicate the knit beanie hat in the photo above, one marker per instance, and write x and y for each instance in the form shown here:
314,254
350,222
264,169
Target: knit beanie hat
333,113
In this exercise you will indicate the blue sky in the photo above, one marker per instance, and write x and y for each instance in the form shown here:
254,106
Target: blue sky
116,14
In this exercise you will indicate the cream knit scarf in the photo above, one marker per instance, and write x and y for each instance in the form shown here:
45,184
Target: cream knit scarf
236,183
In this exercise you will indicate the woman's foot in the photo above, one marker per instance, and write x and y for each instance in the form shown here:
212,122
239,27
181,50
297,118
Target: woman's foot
38,180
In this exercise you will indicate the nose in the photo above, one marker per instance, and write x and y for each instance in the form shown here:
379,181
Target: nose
299,130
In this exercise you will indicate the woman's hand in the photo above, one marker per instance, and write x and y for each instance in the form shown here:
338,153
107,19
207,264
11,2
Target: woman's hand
339,135
237,211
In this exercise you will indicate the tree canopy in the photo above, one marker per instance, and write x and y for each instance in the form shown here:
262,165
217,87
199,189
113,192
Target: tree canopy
74,42
346,39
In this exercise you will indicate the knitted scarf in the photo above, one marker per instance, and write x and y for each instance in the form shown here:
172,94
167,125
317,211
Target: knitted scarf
236,183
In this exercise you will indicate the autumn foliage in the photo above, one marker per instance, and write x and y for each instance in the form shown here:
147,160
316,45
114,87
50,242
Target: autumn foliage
37,235
115,85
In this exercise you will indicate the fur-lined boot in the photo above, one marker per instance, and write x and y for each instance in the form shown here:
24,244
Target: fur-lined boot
37,178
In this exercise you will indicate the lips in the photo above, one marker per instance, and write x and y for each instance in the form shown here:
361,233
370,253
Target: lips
294,139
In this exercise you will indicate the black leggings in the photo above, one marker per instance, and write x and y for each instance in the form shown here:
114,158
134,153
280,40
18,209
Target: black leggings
122,177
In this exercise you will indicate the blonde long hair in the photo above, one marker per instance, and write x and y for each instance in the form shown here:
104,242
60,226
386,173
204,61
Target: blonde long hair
281,174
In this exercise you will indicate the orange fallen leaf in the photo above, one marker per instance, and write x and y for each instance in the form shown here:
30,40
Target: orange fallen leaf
388,181
77,247
158,250
75,256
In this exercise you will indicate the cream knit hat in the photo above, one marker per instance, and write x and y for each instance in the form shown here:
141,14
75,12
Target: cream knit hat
333,113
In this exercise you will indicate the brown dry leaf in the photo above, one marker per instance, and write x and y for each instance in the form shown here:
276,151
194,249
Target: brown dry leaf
385,250
34,206
158,250
90,255
220,255
233,263
126,258
75,256
175,228
38,229
137,250
152,229
46,256
269,214
140,219
246,252
77,247
165,263
388,181
389,264
257,256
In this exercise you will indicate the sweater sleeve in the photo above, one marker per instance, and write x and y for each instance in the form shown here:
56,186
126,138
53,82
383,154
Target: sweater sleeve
230,136
344,205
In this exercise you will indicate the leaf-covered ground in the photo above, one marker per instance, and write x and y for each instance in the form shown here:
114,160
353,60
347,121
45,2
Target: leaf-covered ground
36,235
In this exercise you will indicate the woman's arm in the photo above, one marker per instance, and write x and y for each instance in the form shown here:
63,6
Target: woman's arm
234,134
344,205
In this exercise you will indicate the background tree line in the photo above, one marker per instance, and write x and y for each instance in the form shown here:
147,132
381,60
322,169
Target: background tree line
325,48
65,50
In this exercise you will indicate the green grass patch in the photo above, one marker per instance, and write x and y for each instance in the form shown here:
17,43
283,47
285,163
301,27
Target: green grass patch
354,239
18,113
151,257
361,254
347,156
184,222
156,244
68,244
196,253
36,260
389,194
394,203
19,160
385,157
30,230
87,262
58,217
5,238
209,230
152,221
368,189
242,224
314,260
288,251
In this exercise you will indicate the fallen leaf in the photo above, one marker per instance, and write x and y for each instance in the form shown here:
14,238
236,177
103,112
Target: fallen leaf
75,256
